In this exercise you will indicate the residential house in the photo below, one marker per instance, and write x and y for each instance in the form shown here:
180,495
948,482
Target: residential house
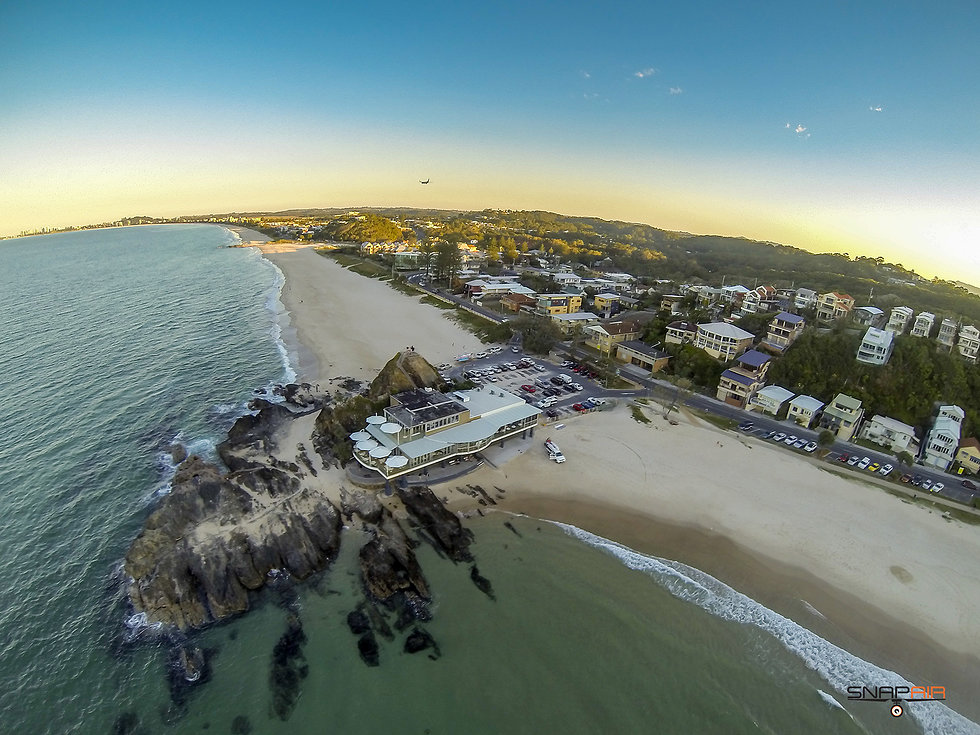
969,342
558,303
681,333
868,316
876,347
566,279
968,456
898,319
568,323
944,438
517,301
833,305
805,299
923,324
423,427
733,295
891,433
723,341
759,299
770,399
947,333
842,416
739,383
784,329
605,304
673,303
605,335
635,352
804,410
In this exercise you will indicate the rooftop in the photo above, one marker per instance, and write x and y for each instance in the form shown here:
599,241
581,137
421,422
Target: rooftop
754,358
847,402
420,406
644,349
776,393
785,316
739,378
724,329
807,403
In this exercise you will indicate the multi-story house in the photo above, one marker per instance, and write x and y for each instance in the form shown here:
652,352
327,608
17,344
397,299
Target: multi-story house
923,324
833,305
605,304
969,342
876,347
741,382
944,437
723,341
672,302
843,416
784,329
805,298
891,433
968,456
605,335
759,299
770,399
642,355
804,410
681,333
868,316
947,333
558,303
898,319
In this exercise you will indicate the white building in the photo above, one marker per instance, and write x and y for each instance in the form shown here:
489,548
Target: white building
969,342
944,437
723,341
876,347
947,333
891,433
898,319
770,399
805,299
804,410
923,324
868,316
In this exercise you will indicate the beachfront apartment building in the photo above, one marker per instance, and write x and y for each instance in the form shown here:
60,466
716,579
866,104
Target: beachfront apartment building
635,352
891,433
723,341
944,438
968,343
923,324
842,416
876,347
681,333
558,303
804,410
947,333
770,399
968,455
868,316
740,383
424,427
805,298
898,319
833,305
784,329
606,335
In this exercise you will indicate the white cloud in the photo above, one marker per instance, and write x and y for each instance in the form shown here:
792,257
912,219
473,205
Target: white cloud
586,75
675,90
648,72
876,108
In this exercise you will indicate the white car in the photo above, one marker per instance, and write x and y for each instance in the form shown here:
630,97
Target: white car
577,386
811,446
790,440
779,437
599,401
495,350
480,355
492,378
937,487
886,470
863,464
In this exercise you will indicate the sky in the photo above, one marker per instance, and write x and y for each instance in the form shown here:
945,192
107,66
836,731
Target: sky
836,126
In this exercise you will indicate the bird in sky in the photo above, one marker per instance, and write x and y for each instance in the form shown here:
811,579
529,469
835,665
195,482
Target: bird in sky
423,182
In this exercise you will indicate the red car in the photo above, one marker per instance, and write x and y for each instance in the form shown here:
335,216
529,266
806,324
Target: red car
843,458
579,407
529,388
968,485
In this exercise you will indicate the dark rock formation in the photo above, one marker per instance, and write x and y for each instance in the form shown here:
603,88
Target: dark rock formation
215,537
289,668
367,646
358,622
438,521
507,524
178,453
482,583
420,640
391,573
405,371
241,725
302,395
253,431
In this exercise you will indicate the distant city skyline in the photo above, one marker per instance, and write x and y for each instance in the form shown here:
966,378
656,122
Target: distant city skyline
849,128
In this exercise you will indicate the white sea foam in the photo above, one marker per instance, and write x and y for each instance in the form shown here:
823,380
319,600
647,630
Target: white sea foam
829,699
838,667
273,303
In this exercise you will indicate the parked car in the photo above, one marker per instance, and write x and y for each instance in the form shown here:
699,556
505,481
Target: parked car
570,388
791,439
905,478
551,413
495,350
863,464
968,485
886,470
926,484
938,487
745,426
853,460
917,480
810,446
529,388
779,437
480,355
874,467
844,457
598,401
799,443
540,368
578,407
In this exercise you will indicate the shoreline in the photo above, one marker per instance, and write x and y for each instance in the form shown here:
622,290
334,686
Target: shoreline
788,534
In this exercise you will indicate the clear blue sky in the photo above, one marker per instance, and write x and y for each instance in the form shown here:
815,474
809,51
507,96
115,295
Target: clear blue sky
843,126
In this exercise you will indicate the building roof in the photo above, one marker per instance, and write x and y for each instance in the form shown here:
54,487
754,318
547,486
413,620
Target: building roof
785,316
686,326
578,316
724,329
607,295
617,327
739,378
875,336
754,358
847,402
970,441
893,425
807,403
776,393
644,349
873,310
420,406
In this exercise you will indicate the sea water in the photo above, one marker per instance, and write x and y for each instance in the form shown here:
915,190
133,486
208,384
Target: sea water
119,342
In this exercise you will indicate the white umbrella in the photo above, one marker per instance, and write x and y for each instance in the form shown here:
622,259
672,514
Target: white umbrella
391,428
375,419
359,436
397,461
366,445
379,452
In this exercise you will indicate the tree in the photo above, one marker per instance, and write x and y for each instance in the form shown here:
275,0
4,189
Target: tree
448,262
826,439
905,458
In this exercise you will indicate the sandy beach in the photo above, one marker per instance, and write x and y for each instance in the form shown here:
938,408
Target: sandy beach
891,581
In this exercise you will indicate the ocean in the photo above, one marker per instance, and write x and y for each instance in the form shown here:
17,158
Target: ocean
119,342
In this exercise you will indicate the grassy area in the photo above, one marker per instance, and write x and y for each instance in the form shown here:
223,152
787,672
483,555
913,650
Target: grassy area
638,415
438,303
720,421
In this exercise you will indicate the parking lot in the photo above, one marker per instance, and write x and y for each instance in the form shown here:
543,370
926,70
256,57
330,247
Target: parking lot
535,380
